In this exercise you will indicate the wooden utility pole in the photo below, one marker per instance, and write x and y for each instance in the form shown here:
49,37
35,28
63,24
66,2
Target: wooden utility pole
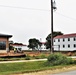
52,7
52,49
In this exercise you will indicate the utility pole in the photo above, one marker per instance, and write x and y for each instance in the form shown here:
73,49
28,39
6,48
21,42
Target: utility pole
52,7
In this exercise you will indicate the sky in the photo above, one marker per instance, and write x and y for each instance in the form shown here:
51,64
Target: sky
25,19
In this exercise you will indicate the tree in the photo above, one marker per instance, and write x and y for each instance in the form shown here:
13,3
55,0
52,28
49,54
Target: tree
48,38
34,44
11,42
11,47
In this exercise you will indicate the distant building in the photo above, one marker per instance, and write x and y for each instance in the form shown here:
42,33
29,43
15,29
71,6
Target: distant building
4,43
43,47
65,42
20,46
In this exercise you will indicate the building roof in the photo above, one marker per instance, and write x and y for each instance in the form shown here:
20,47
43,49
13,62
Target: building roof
5,35
43,42
65,36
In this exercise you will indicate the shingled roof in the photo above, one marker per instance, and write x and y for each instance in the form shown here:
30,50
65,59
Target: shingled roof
65,36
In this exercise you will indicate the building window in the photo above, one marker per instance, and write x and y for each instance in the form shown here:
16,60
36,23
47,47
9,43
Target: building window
63,46
58,40
74,45
59,46
54,40
63,40
68,39
74,39
2,45
68,45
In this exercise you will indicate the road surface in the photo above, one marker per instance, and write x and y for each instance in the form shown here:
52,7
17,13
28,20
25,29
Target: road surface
66,73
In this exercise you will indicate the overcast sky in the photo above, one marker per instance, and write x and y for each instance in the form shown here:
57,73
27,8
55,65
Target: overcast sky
25,19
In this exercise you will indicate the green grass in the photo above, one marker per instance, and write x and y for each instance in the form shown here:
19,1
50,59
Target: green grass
22,67
8,68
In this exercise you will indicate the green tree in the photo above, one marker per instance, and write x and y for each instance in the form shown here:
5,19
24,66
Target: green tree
34,44
11,47
48,38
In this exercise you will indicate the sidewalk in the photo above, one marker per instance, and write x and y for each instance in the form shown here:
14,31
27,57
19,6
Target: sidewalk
28,60
22,61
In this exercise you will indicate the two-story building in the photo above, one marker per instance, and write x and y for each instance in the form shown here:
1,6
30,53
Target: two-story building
65,42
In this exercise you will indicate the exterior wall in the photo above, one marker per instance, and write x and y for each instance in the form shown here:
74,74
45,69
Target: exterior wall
18,47
43,47
7,45
66,43
25,48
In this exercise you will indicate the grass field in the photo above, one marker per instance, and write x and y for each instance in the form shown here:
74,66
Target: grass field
9,68
35,66
24,67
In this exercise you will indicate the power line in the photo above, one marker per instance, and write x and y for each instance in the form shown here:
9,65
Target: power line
66,16
39,10
23,8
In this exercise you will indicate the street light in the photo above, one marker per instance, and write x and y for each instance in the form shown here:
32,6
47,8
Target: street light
52,7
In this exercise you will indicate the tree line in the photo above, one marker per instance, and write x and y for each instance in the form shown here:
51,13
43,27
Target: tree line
36,44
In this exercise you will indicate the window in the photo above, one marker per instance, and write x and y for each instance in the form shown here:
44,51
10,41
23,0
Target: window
74,45
2,45
68,45
68,39
54,40
63,40
74,39
58,40
59,46
63,46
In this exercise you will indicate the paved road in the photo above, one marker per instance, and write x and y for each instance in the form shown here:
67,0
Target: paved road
66,73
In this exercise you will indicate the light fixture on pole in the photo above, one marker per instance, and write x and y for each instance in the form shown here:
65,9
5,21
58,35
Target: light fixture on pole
52,7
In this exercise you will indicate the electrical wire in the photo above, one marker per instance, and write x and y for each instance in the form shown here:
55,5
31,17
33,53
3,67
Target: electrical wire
23,8
66,16
39,10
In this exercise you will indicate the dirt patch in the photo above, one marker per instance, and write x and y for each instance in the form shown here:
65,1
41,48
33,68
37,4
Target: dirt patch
47,72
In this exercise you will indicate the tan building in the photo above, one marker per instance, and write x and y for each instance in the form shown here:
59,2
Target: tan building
4,43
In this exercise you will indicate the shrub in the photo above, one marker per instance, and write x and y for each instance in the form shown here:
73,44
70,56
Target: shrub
42,56
74,62
37,57
27,57
59,59
2,59
75,54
